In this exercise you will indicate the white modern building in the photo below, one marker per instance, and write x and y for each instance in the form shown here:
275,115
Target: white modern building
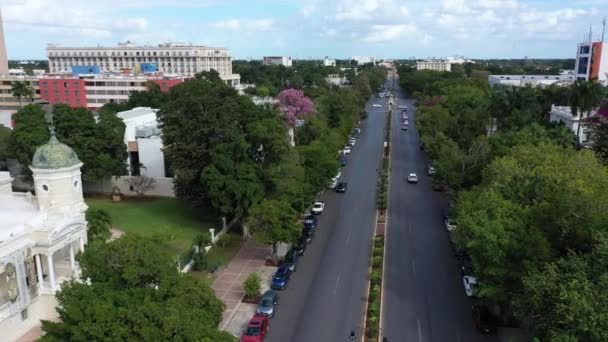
336,79
531,80
592,62
434,65
144,142
168,58
564,114
329,62
363,59
39,238
278,60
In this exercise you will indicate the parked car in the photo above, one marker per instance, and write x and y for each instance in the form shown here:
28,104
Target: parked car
352,142
310,222
412,178
341,187
377,105
343,160
281,278
485,322
307,235
347,149
257,329
430,170
402,107
268,303
450,224
317,207
470,285
333,182
291,259
300,245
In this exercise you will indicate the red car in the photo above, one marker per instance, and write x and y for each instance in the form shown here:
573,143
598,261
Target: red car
257,329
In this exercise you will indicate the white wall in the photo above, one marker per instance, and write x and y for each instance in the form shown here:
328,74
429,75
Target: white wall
5,118
162,188
151,155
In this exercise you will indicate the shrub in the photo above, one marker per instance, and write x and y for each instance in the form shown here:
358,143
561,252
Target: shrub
374,293
379,241
99,222
376,278
201,262
224,240
374,308
201,240
378,251
377,261
252,285
371,331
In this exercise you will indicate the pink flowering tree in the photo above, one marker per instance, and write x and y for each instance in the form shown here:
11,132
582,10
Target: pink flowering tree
294,105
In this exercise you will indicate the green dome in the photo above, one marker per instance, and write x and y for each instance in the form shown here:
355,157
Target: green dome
54,155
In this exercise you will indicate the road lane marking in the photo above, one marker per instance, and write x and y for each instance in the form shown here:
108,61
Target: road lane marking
337,283
414,267
419,332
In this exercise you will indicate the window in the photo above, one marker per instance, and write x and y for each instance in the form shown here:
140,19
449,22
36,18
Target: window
76,184
66,93
584,49
45,187
582,65
65,84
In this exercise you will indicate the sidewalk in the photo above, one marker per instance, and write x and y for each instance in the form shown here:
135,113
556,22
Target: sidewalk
228,285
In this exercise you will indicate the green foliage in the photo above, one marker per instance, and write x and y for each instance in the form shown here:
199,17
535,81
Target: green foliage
252,285
202,240
376,278
31,130
379,241
224,240
5,134
137,292
273,221
21,89
99,223
377,261
201,261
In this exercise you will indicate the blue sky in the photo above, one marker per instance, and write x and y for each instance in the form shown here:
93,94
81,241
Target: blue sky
311,28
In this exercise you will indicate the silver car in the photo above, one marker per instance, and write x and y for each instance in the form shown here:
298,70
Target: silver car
267,305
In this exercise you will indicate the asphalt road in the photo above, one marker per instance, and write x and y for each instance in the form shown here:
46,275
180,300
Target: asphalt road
324,300
424,298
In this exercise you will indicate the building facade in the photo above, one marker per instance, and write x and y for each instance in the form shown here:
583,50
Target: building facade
592,62
40,236
434,65
169,58
329,62
12,103
280,60
363,59
531,80
564,114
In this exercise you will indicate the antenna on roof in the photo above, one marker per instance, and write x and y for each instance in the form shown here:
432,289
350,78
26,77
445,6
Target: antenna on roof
603,27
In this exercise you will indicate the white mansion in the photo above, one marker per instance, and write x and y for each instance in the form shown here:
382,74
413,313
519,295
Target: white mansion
39,236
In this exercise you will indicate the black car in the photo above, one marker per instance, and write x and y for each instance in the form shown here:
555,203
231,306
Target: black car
310,222
307,235
343,161
301,245
485,322
341,187
291,258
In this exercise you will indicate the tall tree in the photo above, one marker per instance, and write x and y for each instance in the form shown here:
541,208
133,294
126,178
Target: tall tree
273,221
31,130
585,97
135,292
294,105
21,89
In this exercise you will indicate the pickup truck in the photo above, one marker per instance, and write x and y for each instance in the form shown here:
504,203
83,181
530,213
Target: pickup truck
318,207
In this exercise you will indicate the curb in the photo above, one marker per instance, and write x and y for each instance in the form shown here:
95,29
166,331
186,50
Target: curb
369,272
231,317
386,228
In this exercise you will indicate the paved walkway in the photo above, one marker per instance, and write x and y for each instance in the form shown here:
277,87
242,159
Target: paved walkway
228,285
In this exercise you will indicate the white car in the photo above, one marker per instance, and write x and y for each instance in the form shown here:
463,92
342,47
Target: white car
347,149
352,142
431,170
470,285
377,105
318,207
333,182
412,178
450,225
402,107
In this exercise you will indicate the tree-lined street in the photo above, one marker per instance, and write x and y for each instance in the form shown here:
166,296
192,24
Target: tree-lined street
424,296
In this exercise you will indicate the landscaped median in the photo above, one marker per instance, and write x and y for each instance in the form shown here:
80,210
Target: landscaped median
374,298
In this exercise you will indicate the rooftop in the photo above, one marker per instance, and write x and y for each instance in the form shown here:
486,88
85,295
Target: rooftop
565,77
15,210
130,45
136,112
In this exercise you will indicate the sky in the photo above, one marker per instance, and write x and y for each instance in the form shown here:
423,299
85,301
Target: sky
311,28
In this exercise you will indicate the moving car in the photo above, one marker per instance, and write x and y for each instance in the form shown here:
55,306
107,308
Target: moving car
291,258
412,178
268,303
485,322
281,278
450,224
318,207
257,329
347,149
470,285
341,187
377,105
404,127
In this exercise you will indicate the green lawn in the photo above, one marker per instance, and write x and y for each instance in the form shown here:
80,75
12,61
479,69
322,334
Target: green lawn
165,216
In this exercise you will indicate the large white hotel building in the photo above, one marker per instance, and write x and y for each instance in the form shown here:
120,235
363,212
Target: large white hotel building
169,59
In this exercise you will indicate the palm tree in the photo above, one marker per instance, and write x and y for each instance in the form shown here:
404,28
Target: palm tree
584,97
21,89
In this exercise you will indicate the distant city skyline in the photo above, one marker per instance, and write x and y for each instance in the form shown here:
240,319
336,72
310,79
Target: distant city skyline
311,28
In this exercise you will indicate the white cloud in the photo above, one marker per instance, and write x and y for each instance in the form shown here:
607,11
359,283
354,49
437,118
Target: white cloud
230,24
308,10
404,11
261,24
358,10
248,25
385,33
